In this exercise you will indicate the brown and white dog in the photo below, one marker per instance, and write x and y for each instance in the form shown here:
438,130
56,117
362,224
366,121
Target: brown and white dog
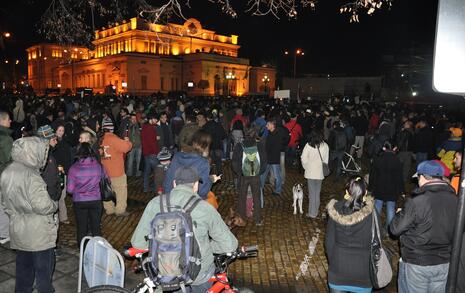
298,194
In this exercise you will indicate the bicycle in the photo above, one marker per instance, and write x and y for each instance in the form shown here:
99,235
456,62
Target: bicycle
349,163
220,281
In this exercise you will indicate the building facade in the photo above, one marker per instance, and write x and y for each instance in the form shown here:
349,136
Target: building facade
141,58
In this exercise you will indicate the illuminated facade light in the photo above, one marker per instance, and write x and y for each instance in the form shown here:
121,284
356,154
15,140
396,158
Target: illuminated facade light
59,85
124,84
7,35
17,61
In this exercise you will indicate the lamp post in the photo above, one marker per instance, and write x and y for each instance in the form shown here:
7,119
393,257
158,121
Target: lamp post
228,77
297,52
266,81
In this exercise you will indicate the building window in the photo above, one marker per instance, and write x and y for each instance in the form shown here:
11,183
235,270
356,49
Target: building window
162,82
34,54
57,53
74,55
143,82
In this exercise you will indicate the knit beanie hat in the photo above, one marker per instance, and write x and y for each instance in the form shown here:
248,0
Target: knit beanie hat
107,125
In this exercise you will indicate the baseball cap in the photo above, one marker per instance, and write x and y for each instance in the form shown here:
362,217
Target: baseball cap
185,175
45,132
431,168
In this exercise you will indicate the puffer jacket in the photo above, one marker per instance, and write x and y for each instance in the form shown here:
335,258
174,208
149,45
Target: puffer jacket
347,243
426,225
25,197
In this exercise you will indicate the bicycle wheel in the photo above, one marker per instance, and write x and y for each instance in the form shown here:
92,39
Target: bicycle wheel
107,289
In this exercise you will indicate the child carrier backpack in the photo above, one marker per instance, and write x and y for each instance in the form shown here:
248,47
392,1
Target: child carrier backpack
174,251
250,161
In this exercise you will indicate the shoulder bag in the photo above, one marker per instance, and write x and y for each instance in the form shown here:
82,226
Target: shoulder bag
326,170
380,266
106,191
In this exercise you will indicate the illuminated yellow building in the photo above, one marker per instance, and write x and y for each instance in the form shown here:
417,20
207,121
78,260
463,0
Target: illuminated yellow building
139,57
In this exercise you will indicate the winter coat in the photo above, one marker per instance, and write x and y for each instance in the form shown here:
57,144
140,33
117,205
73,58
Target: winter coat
295,132
52,178
386,181
275,142
311,161
217,134
347,243
182,159
238,156
18,112
25,197
423,140
63,155
461,272
165,134
6,142
337,140
405,141
426,225
448,149
84,180
149,140
114,150
134,135
360,124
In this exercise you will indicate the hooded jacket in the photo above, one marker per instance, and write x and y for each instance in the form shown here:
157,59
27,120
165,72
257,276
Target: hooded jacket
25,197
6,142
182,159
18,112
347,243
426,225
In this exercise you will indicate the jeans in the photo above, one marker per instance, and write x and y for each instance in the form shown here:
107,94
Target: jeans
277,173
226,148
282,163
88,215
418,279
254,182
62,210
420,157
216,156
133,155
150,165
390,209
38,265
336,159
314,190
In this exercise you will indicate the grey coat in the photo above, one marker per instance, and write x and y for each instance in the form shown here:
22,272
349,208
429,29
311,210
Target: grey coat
25,198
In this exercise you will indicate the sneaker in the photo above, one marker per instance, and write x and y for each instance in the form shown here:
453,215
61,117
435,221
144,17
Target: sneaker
4,240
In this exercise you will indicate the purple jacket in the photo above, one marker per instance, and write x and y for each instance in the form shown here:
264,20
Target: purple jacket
84,180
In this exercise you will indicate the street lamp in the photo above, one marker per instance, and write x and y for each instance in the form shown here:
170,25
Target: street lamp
297,52
228,77
6,34
266,81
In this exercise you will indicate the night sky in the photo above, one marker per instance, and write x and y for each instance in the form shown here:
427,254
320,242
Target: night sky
331,44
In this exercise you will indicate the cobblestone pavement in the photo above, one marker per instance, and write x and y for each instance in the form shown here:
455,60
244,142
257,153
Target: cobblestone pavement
283,241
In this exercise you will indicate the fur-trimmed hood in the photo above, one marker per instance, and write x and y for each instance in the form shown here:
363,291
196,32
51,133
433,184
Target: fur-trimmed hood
350,219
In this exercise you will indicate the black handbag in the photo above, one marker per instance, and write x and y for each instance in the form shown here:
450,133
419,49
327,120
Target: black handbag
106,191
326,170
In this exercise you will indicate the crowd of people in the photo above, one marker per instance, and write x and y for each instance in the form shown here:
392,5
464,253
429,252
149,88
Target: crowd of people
51,147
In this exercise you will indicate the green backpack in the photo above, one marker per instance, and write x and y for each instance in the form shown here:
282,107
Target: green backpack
250,161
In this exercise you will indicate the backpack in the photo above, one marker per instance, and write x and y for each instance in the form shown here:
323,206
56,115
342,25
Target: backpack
250,161
174,251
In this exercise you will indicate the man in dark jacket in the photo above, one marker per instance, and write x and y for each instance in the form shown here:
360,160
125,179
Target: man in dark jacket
275,142
360,124
217,134
423,141
426,229
404,143
50,172
241,155
5,157
337,146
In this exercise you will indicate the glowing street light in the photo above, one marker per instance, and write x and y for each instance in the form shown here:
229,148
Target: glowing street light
17,62
6,34
124,84
6,61
414,94
59,85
